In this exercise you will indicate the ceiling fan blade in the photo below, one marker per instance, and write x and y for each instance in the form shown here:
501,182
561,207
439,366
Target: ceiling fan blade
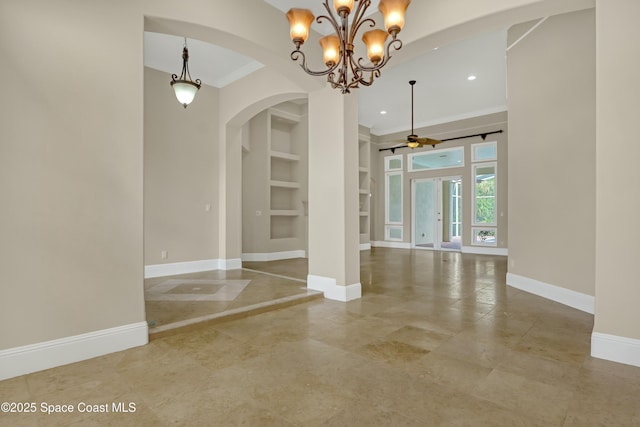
400,143
428,141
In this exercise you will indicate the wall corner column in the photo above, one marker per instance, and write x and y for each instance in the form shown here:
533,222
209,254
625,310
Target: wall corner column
616,333
334,239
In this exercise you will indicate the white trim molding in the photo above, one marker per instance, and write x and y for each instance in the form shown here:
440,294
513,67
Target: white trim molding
273,256
49,354
230,264
171,269
365,246
482,250
332,290
396,245
615,348
577,300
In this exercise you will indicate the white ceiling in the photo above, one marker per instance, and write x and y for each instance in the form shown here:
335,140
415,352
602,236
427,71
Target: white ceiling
214,65
442,92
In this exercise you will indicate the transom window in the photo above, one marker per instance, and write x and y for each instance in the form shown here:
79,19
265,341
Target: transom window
436,159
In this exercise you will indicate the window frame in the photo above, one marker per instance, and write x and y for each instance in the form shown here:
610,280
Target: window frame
476,230
481,145
386,198
388,159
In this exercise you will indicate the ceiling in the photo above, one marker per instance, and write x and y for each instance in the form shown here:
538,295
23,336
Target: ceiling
442,93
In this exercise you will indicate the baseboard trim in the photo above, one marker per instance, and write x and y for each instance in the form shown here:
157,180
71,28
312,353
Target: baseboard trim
174,268
49,354
230,264
273,256
615,348
332,290
365,246
564,296
394,245
481,250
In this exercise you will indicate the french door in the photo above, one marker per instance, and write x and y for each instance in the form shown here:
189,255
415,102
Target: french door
436,216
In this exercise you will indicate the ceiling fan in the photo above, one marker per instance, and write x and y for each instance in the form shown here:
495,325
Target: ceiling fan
413,140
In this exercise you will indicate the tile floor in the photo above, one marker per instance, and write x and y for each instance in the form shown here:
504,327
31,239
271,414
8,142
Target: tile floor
436,340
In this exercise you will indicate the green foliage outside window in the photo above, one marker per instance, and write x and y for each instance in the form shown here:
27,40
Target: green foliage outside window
485,202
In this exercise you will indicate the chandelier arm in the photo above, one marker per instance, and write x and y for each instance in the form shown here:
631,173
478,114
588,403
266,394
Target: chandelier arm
331,17
363,5
356,26
374,75
332,21
296,54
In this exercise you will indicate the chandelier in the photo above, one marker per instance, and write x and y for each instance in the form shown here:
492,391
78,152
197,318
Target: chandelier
343,70
183,86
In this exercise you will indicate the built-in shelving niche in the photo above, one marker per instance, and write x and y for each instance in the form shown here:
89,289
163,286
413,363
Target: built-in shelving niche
364,197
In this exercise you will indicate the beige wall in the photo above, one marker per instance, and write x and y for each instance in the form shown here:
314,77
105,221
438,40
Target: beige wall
70,169
491,122
180,173
551,96
617,150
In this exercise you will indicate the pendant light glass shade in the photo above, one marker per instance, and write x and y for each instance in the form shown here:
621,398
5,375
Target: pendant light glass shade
300,22
393,12
331,50
185,91
375,41
343,5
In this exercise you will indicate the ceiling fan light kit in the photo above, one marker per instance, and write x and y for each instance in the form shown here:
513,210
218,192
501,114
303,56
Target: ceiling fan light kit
343,71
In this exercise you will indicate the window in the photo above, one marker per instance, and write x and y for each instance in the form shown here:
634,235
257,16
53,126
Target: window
483,236
393,232
436,159
393,163
484,194
455,191
484,151
393,198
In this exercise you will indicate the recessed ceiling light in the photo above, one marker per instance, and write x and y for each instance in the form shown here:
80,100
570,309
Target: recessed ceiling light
471,77
436,48
383,112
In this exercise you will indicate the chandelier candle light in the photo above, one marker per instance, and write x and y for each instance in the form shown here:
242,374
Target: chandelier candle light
343,70
184,87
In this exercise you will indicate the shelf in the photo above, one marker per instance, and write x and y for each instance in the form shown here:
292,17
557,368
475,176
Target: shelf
363,213
284,184
284,156
364,191
284,212
363,169
285,116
